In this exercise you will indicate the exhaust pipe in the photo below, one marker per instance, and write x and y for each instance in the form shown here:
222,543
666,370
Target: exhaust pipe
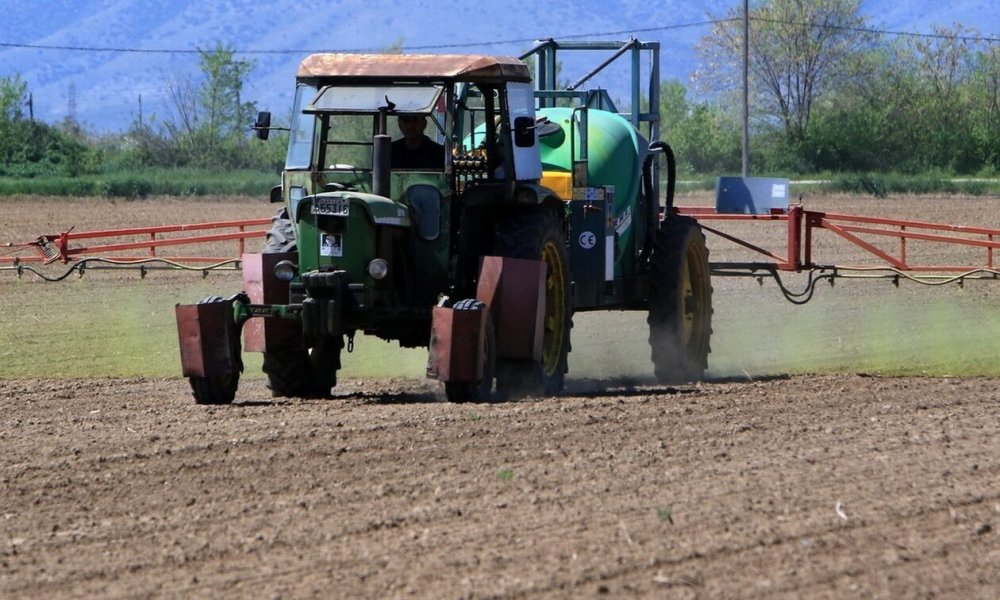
381,161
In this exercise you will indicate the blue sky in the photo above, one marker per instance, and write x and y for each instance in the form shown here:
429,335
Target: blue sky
106,85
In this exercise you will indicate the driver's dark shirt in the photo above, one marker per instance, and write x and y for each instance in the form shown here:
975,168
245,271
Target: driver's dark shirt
430,155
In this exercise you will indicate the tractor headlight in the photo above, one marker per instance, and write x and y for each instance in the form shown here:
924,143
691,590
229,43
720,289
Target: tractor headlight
378,268
285,271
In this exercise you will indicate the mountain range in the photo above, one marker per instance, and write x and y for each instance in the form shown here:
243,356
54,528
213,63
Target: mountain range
93,60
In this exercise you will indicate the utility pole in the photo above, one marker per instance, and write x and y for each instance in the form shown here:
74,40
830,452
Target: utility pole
746,88
31,106
71,109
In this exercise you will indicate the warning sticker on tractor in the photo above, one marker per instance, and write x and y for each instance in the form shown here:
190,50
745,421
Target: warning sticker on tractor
590,193
331,244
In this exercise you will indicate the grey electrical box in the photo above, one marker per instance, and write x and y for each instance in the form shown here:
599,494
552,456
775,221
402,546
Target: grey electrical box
751,195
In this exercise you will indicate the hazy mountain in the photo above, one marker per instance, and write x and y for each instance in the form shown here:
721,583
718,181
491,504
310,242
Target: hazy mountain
102,88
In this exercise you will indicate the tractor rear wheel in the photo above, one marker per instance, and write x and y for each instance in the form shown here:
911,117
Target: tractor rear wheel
218,389
297,370
478,391
680,301
537,234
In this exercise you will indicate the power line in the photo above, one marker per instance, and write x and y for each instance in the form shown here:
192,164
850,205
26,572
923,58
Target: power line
300,51
912,34
561,37
314,50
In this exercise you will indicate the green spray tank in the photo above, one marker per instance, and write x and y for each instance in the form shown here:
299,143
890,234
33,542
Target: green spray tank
614,155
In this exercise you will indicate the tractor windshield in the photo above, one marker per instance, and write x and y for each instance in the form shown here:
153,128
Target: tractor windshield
333,125
397,99
347,142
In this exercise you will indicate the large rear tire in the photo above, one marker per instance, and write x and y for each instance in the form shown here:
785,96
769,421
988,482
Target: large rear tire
680,301
478,391
297,370
537,233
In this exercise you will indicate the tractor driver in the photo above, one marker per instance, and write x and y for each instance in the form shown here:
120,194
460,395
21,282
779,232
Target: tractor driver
415,150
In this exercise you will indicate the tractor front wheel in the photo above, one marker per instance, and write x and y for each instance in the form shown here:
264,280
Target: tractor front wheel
680,301
478,391
303,372
217,389
294,370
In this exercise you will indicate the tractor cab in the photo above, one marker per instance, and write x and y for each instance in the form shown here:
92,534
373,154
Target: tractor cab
348,107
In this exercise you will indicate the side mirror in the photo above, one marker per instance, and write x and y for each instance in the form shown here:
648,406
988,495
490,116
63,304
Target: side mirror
276,195
524,132
263,125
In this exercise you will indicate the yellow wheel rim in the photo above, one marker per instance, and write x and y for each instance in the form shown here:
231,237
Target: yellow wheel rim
694,299
555,308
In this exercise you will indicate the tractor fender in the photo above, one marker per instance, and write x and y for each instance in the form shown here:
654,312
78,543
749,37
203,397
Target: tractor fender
455,351
514,291
531,194
208,337
262,287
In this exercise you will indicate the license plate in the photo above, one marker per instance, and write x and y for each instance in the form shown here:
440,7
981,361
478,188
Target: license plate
335,207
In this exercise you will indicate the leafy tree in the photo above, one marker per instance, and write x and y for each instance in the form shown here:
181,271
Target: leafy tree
13,93
985,95
857,125
797,50
944,68
31,148
225,115
704,137
208,124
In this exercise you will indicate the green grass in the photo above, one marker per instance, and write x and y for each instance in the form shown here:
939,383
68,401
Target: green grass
868,184
911,331
94,327
198,182
859,327
145,182
98,326
887,184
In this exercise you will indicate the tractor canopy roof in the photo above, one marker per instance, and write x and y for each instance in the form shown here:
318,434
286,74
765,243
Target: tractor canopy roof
473,68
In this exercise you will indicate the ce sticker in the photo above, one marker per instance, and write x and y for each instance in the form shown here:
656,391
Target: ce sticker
587,240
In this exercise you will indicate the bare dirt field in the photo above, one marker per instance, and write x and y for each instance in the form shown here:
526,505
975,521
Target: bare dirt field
767,480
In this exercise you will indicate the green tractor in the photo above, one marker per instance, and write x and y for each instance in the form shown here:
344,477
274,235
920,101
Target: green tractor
502,209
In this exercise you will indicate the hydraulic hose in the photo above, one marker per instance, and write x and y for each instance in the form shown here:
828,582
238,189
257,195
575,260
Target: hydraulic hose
652,195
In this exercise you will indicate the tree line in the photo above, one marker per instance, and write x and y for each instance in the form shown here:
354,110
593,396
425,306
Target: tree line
206,126
828,94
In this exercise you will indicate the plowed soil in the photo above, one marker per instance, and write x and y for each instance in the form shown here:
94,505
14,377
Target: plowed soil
831,486
747,485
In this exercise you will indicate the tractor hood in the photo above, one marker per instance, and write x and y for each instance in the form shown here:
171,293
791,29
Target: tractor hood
380,210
